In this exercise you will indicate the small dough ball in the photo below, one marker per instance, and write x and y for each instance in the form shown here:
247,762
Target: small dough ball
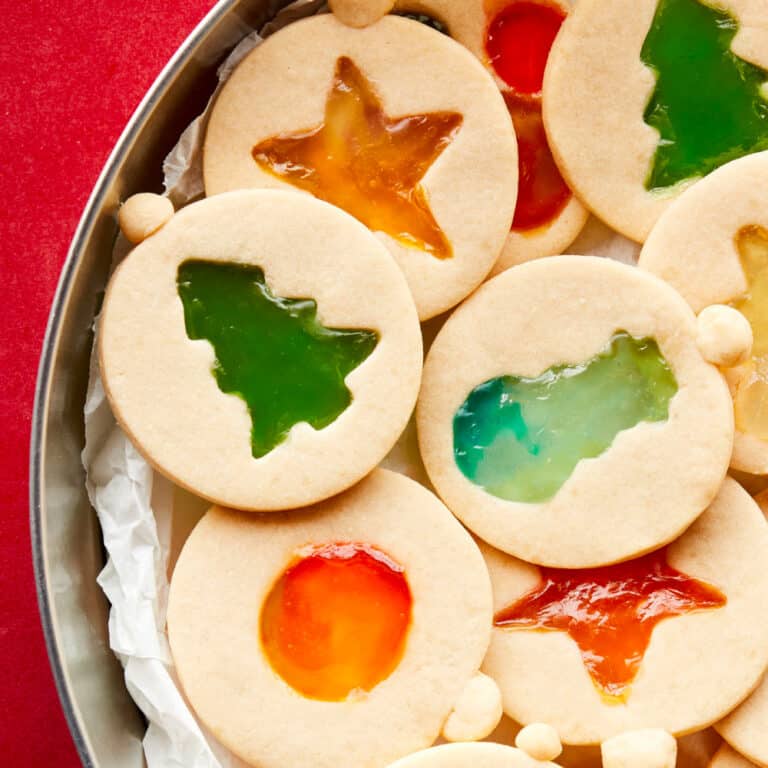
540,741
724,335
360,13
477,712
143,214
647,748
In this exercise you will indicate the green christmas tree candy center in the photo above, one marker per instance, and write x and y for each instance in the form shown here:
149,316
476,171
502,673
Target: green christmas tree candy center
272,352
707,105
521,438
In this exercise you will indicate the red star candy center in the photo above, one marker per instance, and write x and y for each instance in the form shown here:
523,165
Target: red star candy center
611,612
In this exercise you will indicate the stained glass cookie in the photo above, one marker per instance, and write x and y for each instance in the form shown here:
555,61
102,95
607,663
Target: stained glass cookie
673,639
567,417
644,97
261,349
712,246
344,635
512,38
398,125
487,754
744,728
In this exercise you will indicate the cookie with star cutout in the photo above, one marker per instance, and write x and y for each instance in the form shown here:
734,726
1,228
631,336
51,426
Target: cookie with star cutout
642,98
673,639
258,365
512,38
348,634
566,389
394,123
712,246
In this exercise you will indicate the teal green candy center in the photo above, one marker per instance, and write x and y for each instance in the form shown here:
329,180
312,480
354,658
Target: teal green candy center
520,439
707,104
270,351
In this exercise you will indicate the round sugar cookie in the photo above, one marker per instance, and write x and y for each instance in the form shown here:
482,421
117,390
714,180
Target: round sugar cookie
712,246
568,647
644,97
727,757
744,728
563,391
398,125
261,349
512,39
486,754
344,635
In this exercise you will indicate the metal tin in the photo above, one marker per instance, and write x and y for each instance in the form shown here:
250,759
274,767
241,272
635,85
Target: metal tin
66,540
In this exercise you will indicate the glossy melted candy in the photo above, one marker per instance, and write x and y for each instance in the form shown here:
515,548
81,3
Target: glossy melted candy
521,438
611,612
542,192
518,40
367,163
271,352
707,105
751,398
336,621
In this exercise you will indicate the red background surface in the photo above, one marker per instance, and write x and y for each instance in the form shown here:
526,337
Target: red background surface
71,74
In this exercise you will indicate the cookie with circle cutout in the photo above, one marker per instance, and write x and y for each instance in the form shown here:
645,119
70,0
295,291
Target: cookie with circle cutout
345,635
644,97
673,639
712,246
261,349
744,729
727,757
398,125
567,417
512,39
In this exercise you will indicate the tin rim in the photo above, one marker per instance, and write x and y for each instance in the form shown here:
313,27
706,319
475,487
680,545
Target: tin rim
50,346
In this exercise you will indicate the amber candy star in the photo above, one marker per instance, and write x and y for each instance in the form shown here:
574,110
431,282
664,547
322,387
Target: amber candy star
365,162
610,612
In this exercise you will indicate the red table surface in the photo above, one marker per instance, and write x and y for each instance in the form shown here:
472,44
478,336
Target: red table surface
71,74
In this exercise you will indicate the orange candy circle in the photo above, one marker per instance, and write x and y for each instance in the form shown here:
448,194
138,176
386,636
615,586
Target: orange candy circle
336,620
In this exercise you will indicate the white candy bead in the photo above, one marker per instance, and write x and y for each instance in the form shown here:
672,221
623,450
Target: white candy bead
723,335
540,741
648,748
360,13
477,711
143,214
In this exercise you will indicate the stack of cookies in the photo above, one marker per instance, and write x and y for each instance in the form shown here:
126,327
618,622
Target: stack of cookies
579,561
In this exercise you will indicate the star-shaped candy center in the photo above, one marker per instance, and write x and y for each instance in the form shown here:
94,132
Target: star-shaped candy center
365,162
610,612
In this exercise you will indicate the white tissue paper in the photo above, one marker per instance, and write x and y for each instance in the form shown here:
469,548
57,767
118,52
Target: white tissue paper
143,516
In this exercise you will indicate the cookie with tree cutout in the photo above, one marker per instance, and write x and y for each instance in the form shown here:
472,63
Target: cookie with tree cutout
673,639
397,125
260,348
744,728
563,391
513,38
712,246
327,638
642,98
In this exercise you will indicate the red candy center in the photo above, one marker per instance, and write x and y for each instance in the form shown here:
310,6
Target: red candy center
337,620
518,41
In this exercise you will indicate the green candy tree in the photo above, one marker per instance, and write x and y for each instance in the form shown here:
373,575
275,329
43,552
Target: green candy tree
708,104
270,351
